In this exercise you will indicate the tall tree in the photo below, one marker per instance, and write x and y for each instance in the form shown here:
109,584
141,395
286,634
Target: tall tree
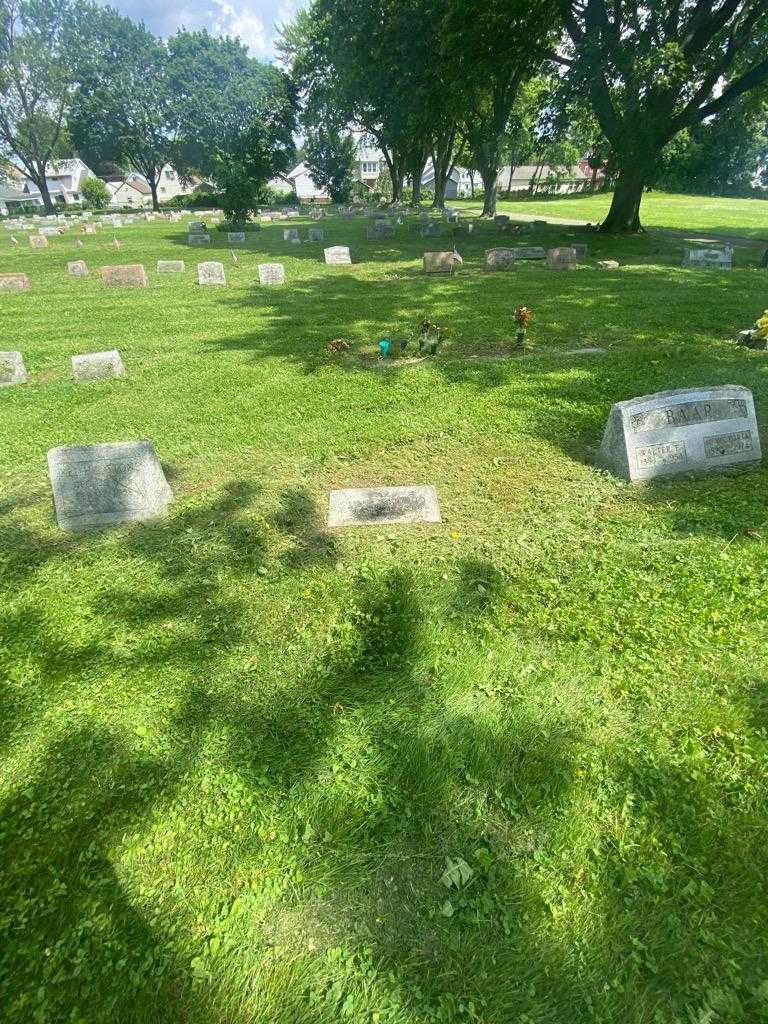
493,47
656,68
329,154
123,109
236,117
39,40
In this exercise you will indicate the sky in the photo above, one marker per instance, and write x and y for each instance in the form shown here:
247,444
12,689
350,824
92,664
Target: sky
256,22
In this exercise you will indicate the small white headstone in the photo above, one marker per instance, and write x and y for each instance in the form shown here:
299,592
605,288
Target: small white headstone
338,254
12,369
271,273
38,242
106,484
383,506
170,266
197,239
210,273
77,268
14,283
97,366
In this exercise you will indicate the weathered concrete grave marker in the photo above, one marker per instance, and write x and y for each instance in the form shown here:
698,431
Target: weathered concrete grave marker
235,236
383,506
683,431
315,235
291,234
500,259
439,262
210,273
530,252
14,283
12,369
106,484
38,242
271,273
562,258
170,266
130,275
337,254
196,227
97,366
198,239
77,268
714,259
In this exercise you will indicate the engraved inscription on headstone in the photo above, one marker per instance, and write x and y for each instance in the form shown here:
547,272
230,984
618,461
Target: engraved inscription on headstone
383,506
235,236
717,259
196,227
198,239
271,273
529,252
562,258
170,266
14,283
130,275
12,369
210,273
338,254
105,484
77,268
97,366
684,431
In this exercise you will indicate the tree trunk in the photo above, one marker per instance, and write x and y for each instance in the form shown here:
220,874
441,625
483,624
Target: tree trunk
153,188
442,160
509,183
594,178
45,195
471,184
490,176
624,214
417,170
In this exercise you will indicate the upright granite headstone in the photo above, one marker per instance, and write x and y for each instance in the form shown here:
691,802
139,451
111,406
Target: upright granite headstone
97,366
130,275
714,259
106,484
12,369
562,258
196,227
438,262
684,431
271,273
38,242
89,229
77,268
14,283
500,259
338,254
290,234
170,266
210,273
198,239
235,236
530,252
383,506
315,235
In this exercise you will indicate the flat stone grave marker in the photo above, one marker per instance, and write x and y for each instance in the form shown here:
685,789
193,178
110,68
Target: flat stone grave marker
106,484
235,236
315,235
49,232
608,264
14,283
77,268
271,273
97,366
38,242
500,259
170,266
196,227
12,369
530,252
383,506
438,262
130,275
337,254
290,234
716,259
198,239
381,229
210,273
562,258
682,431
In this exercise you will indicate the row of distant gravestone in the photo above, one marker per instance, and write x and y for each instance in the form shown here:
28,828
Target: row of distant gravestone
89,366
662,435
133,275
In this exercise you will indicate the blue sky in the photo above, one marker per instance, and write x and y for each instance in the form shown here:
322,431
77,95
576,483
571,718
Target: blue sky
254,21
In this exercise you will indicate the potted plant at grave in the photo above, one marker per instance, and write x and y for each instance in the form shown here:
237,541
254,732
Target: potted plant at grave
522,317
431,337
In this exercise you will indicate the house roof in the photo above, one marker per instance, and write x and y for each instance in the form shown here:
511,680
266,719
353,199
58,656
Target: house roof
12,195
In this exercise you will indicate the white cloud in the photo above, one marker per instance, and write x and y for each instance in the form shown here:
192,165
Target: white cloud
244,22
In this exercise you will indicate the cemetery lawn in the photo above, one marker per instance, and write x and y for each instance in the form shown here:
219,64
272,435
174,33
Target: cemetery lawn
508,769
746,218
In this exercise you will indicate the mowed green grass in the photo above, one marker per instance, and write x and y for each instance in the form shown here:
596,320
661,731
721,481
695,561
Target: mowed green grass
239,751
746,218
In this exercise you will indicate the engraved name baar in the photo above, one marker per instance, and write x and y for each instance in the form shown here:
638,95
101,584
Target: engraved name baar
660,455
688,414
728,444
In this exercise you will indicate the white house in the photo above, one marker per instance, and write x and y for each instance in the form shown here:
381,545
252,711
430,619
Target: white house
302,183
133,190
64,178
171,185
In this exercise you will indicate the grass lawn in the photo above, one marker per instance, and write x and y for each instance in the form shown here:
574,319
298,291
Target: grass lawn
747,218
239,752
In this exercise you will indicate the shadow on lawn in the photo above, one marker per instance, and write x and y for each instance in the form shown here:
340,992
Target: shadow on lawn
389,777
